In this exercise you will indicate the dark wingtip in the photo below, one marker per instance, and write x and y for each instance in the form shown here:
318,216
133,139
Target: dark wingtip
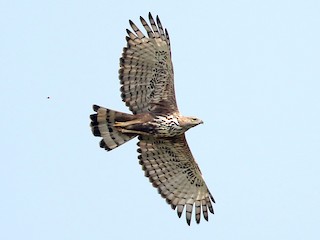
94,119
211,209
95,107
96,131
104,145
128,31
189,221
212,198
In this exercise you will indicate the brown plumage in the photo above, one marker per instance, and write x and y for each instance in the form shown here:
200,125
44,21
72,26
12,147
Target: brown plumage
147,88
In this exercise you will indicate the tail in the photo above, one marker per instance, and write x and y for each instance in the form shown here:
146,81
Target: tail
102,125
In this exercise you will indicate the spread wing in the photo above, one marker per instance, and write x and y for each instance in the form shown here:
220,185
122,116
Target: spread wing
172,169
146,71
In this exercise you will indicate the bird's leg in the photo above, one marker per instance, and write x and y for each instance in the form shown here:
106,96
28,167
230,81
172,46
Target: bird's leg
135,124
129,131
134,127
126,123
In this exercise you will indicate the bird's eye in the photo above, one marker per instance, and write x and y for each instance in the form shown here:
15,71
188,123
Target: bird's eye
194,119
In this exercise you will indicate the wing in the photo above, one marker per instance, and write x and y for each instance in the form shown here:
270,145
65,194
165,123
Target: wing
172,169
146,71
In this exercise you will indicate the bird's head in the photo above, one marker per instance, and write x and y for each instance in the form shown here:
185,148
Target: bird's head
189,122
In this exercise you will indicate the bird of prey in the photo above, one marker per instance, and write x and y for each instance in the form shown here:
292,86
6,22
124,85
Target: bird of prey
147,88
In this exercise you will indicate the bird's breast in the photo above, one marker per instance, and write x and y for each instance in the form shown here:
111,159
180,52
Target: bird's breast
167,126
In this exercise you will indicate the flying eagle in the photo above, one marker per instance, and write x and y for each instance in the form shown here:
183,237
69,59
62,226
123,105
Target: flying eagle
147,88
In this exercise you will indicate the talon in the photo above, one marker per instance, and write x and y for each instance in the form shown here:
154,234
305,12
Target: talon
119,124
119,129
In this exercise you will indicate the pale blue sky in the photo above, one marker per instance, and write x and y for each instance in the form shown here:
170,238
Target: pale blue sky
249,69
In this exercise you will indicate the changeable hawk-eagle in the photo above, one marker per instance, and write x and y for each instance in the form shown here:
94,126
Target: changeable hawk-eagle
147,88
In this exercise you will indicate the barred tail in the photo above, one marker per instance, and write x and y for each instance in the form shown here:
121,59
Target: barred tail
102,126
